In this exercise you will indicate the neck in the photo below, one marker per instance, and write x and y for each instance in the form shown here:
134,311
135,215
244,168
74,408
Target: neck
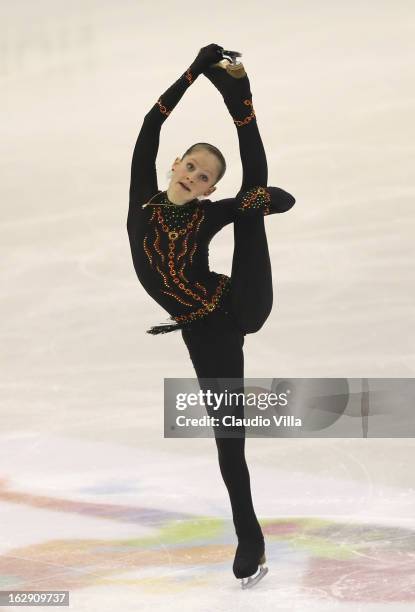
171,199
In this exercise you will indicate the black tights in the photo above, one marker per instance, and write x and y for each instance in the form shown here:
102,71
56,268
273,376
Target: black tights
216,351
216,348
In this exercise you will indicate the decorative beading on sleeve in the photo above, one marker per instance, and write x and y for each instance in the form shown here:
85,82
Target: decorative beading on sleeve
248,118
162,108
254,199
183,83
188,75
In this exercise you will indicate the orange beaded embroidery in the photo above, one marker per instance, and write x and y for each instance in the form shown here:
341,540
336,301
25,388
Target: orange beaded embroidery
165,279
179,240
183,252
189,77
147,251
173,295
208,306
247,119
201,287
157,245
256,197
162,108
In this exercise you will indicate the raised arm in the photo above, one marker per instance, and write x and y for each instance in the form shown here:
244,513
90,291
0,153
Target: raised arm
143,183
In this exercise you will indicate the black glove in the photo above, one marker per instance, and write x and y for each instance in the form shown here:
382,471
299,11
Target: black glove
211,54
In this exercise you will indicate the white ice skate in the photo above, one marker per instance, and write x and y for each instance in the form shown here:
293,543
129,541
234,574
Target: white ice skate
248,565
251,581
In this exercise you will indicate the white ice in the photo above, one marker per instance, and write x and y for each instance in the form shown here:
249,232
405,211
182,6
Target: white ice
93,499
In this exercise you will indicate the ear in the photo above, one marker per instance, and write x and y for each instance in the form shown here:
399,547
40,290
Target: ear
209,191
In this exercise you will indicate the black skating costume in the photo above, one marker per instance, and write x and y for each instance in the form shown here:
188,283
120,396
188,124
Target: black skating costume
169,246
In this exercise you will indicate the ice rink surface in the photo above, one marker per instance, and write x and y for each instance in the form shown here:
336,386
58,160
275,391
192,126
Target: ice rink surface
93,499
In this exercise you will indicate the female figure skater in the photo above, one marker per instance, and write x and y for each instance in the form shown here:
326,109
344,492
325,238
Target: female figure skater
169,234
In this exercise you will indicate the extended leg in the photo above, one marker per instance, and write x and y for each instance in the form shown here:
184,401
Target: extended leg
251,286
251,278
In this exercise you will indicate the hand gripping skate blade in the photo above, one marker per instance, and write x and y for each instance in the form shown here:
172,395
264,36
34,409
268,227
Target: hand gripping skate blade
248,583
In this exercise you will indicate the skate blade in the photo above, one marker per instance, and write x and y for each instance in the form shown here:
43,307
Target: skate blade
248,583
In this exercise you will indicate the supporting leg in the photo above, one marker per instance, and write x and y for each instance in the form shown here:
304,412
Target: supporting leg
219,353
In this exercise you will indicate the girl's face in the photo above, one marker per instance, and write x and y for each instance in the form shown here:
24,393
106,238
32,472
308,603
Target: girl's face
193,176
